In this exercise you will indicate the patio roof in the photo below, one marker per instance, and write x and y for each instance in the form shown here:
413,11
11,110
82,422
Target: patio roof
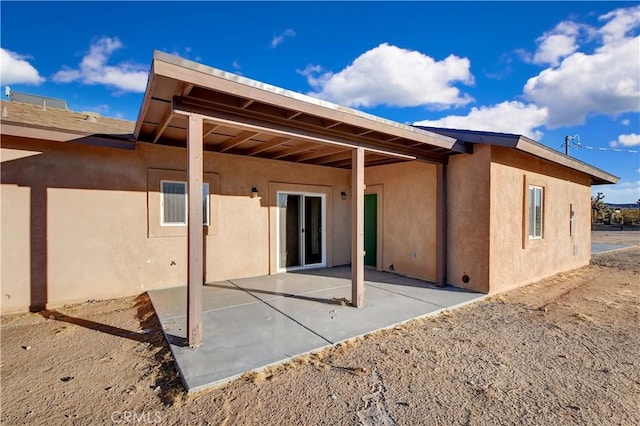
247,117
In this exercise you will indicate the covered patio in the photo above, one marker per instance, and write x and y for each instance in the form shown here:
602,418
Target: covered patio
190,105
251,323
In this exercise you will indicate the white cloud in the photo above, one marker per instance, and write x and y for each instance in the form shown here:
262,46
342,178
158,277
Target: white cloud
604,82
632,139
557,44
625,122
15,69
277,39
621,193
506,117
393,76
93,69
620,23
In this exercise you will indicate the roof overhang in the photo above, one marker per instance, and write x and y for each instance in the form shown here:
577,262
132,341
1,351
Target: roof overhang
247,117
525,144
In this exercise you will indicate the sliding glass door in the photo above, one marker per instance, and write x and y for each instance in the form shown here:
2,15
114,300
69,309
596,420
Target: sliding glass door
301,222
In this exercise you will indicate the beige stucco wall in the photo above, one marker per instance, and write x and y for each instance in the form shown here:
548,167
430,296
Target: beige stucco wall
515,260
468,215
75,220
80,222
407,192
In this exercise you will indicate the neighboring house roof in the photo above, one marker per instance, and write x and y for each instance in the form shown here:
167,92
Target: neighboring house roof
525,144
34,121
64,119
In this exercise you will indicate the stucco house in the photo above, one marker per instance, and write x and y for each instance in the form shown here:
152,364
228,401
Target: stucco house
95,208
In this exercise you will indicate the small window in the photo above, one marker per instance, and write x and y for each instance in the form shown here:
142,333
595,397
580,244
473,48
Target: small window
572,221
536,195
173,203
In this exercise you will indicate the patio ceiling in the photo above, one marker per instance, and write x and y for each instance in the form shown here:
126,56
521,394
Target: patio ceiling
246,117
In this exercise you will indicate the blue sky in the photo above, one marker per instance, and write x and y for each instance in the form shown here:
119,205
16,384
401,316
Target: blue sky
542,69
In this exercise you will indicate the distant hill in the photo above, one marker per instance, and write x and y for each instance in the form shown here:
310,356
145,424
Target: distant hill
622,206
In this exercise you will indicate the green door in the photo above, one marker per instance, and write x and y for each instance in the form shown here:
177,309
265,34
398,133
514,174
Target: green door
370,229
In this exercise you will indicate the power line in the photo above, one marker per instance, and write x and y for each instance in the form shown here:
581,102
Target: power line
570,141
634,151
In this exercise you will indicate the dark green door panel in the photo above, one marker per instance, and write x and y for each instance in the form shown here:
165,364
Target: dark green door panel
370,228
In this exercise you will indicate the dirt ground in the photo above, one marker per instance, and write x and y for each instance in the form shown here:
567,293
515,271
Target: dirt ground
565,350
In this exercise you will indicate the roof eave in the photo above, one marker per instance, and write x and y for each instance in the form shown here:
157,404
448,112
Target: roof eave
598,176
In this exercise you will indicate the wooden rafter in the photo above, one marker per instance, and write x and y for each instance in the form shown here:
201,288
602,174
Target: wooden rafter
333,158
293,150
163,126
187,89
268,145
293,114
212,128
365,132
233,142
245,103
330,124
319,153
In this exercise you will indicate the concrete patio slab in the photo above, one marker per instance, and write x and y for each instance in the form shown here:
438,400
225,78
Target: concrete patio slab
172,302
237,340
336,323
252,323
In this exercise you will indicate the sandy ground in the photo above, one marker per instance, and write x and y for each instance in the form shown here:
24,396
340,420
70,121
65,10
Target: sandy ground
562,351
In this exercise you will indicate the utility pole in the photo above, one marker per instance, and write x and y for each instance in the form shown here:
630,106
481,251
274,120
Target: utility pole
567,143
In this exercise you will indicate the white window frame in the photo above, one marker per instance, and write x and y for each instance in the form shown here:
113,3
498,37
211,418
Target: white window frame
533,189
205,197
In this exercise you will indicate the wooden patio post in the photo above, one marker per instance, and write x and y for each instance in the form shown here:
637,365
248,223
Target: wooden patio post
441,225
357,228
195,237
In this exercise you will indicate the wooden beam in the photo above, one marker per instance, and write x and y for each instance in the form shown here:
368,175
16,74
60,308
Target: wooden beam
163,126
195,255
441,225
293,150
267,145
357,228
242,137
183,106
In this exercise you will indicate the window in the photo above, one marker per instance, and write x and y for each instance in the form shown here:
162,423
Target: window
572,221
173,203
536,195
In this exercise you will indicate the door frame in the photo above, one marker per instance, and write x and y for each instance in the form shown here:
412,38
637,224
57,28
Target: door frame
301,235
378,189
